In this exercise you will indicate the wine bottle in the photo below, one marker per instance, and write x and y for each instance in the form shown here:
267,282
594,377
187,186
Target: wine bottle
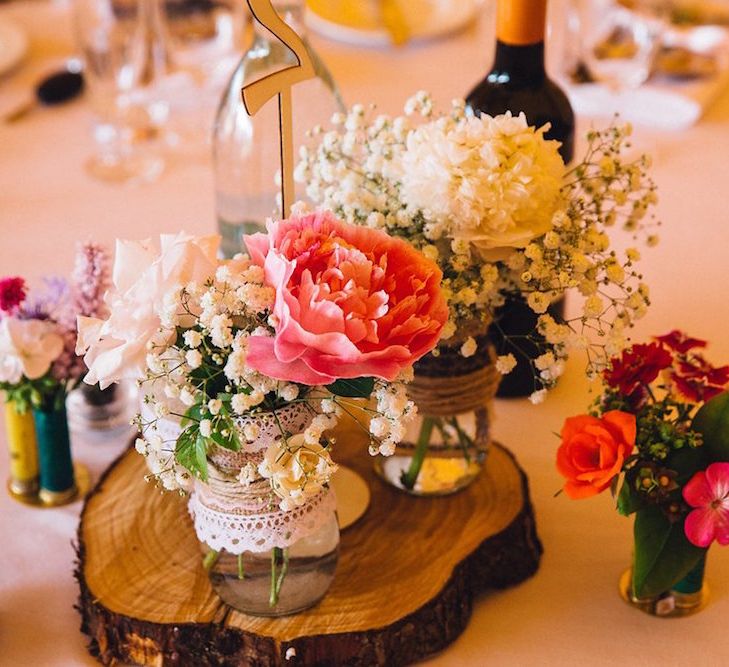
245,149
518,82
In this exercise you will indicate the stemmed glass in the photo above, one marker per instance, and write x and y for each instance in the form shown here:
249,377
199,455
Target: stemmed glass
126,56
613,45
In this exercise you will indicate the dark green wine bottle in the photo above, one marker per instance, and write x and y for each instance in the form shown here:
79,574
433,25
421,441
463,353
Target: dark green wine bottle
518,82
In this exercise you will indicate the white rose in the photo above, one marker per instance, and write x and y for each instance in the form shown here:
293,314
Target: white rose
297,471
116,348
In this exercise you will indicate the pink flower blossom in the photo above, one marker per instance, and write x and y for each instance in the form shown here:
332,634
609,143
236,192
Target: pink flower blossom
708,492
350,301
12,293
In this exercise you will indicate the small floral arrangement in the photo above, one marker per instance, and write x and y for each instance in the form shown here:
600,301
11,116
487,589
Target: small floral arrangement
657,438
491,201
318,314
38,364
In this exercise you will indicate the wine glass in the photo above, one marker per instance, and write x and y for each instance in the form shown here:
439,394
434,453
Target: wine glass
125,58
616,46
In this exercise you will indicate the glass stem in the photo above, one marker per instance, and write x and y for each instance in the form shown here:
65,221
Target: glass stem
409,478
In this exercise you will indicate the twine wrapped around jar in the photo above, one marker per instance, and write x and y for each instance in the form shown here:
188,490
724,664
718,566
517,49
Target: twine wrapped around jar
449,384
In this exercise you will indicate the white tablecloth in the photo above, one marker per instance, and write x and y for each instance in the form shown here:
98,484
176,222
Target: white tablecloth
569,613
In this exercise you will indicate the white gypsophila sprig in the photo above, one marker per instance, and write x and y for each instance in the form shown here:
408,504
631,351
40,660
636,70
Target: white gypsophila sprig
491,202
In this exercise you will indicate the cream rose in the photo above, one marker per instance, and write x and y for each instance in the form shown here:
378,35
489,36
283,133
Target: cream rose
27,348
297,471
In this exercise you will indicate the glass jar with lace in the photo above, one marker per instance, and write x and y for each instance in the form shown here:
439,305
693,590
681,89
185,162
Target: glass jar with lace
269,550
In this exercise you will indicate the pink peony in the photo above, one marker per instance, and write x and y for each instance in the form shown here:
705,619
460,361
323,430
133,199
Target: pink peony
350,302
708,492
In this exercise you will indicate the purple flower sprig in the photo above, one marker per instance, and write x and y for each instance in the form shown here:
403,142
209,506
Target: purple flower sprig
90,279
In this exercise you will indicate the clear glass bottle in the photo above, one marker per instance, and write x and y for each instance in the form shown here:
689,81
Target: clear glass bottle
277,582
245,150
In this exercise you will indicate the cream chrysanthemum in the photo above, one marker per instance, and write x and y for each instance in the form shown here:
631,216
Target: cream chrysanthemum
492,181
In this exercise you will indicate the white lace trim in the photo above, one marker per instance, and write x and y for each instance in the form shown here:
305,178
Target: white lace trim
261,530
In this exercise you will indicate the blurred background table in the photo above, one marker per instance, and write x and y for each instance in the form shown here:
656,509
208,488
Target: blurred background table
570,612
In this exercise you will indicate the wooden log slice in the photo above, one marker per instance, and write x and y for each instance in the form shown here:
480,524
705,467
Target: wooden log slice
403,590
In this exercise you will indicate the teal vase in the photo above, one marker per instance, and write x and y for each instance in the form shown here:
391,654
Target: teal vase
687,596
57,483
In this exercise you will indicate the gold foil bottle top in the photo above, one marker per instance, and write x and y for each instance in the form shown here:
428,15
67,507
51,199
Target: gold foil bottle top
521,22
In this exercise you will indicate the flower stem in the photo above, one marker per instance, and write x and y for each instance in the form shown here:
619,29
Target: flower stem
282,573
278,556
273,598
241,571
211,557
409,478
463,439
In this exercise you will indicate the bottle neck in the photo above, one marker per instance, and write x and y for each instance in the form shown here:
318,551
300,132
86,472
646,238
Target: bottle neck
518,64
519,57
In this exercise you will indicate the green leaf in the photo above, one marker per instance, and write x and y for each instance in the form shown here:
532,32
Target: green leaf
712,421
231,442
352,388
201,457
192,415
687,462
191,453
663,555
629,500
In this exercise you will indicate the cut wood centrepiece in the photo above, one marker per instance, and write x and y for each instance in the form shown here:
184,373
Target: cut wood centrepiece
422,559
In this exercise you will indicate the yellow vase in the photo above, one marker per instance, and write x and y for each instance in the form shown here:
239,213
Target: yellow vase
23,450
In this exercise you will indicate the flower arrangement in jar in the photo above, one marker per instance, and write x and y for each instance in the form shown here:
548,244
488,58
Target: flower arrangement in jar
247,366
38,368
491,201
656,438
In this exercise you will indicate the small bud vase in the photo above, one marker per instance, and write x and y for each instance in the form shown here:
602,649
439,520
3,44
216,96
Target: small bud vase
446,447
57,481
23,450
685,597
91,408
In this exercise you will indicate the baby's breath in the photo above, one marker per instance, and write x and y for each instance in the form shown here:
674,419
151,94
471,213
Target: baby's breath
491,202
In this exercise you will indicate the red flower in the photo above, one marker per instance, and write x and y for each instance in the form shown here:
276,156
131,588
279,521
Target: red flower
636,367
679,342
698,380
12,293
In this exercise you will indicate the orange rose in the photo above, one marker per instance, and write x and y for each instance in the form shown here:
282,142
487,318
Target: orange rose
593,451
